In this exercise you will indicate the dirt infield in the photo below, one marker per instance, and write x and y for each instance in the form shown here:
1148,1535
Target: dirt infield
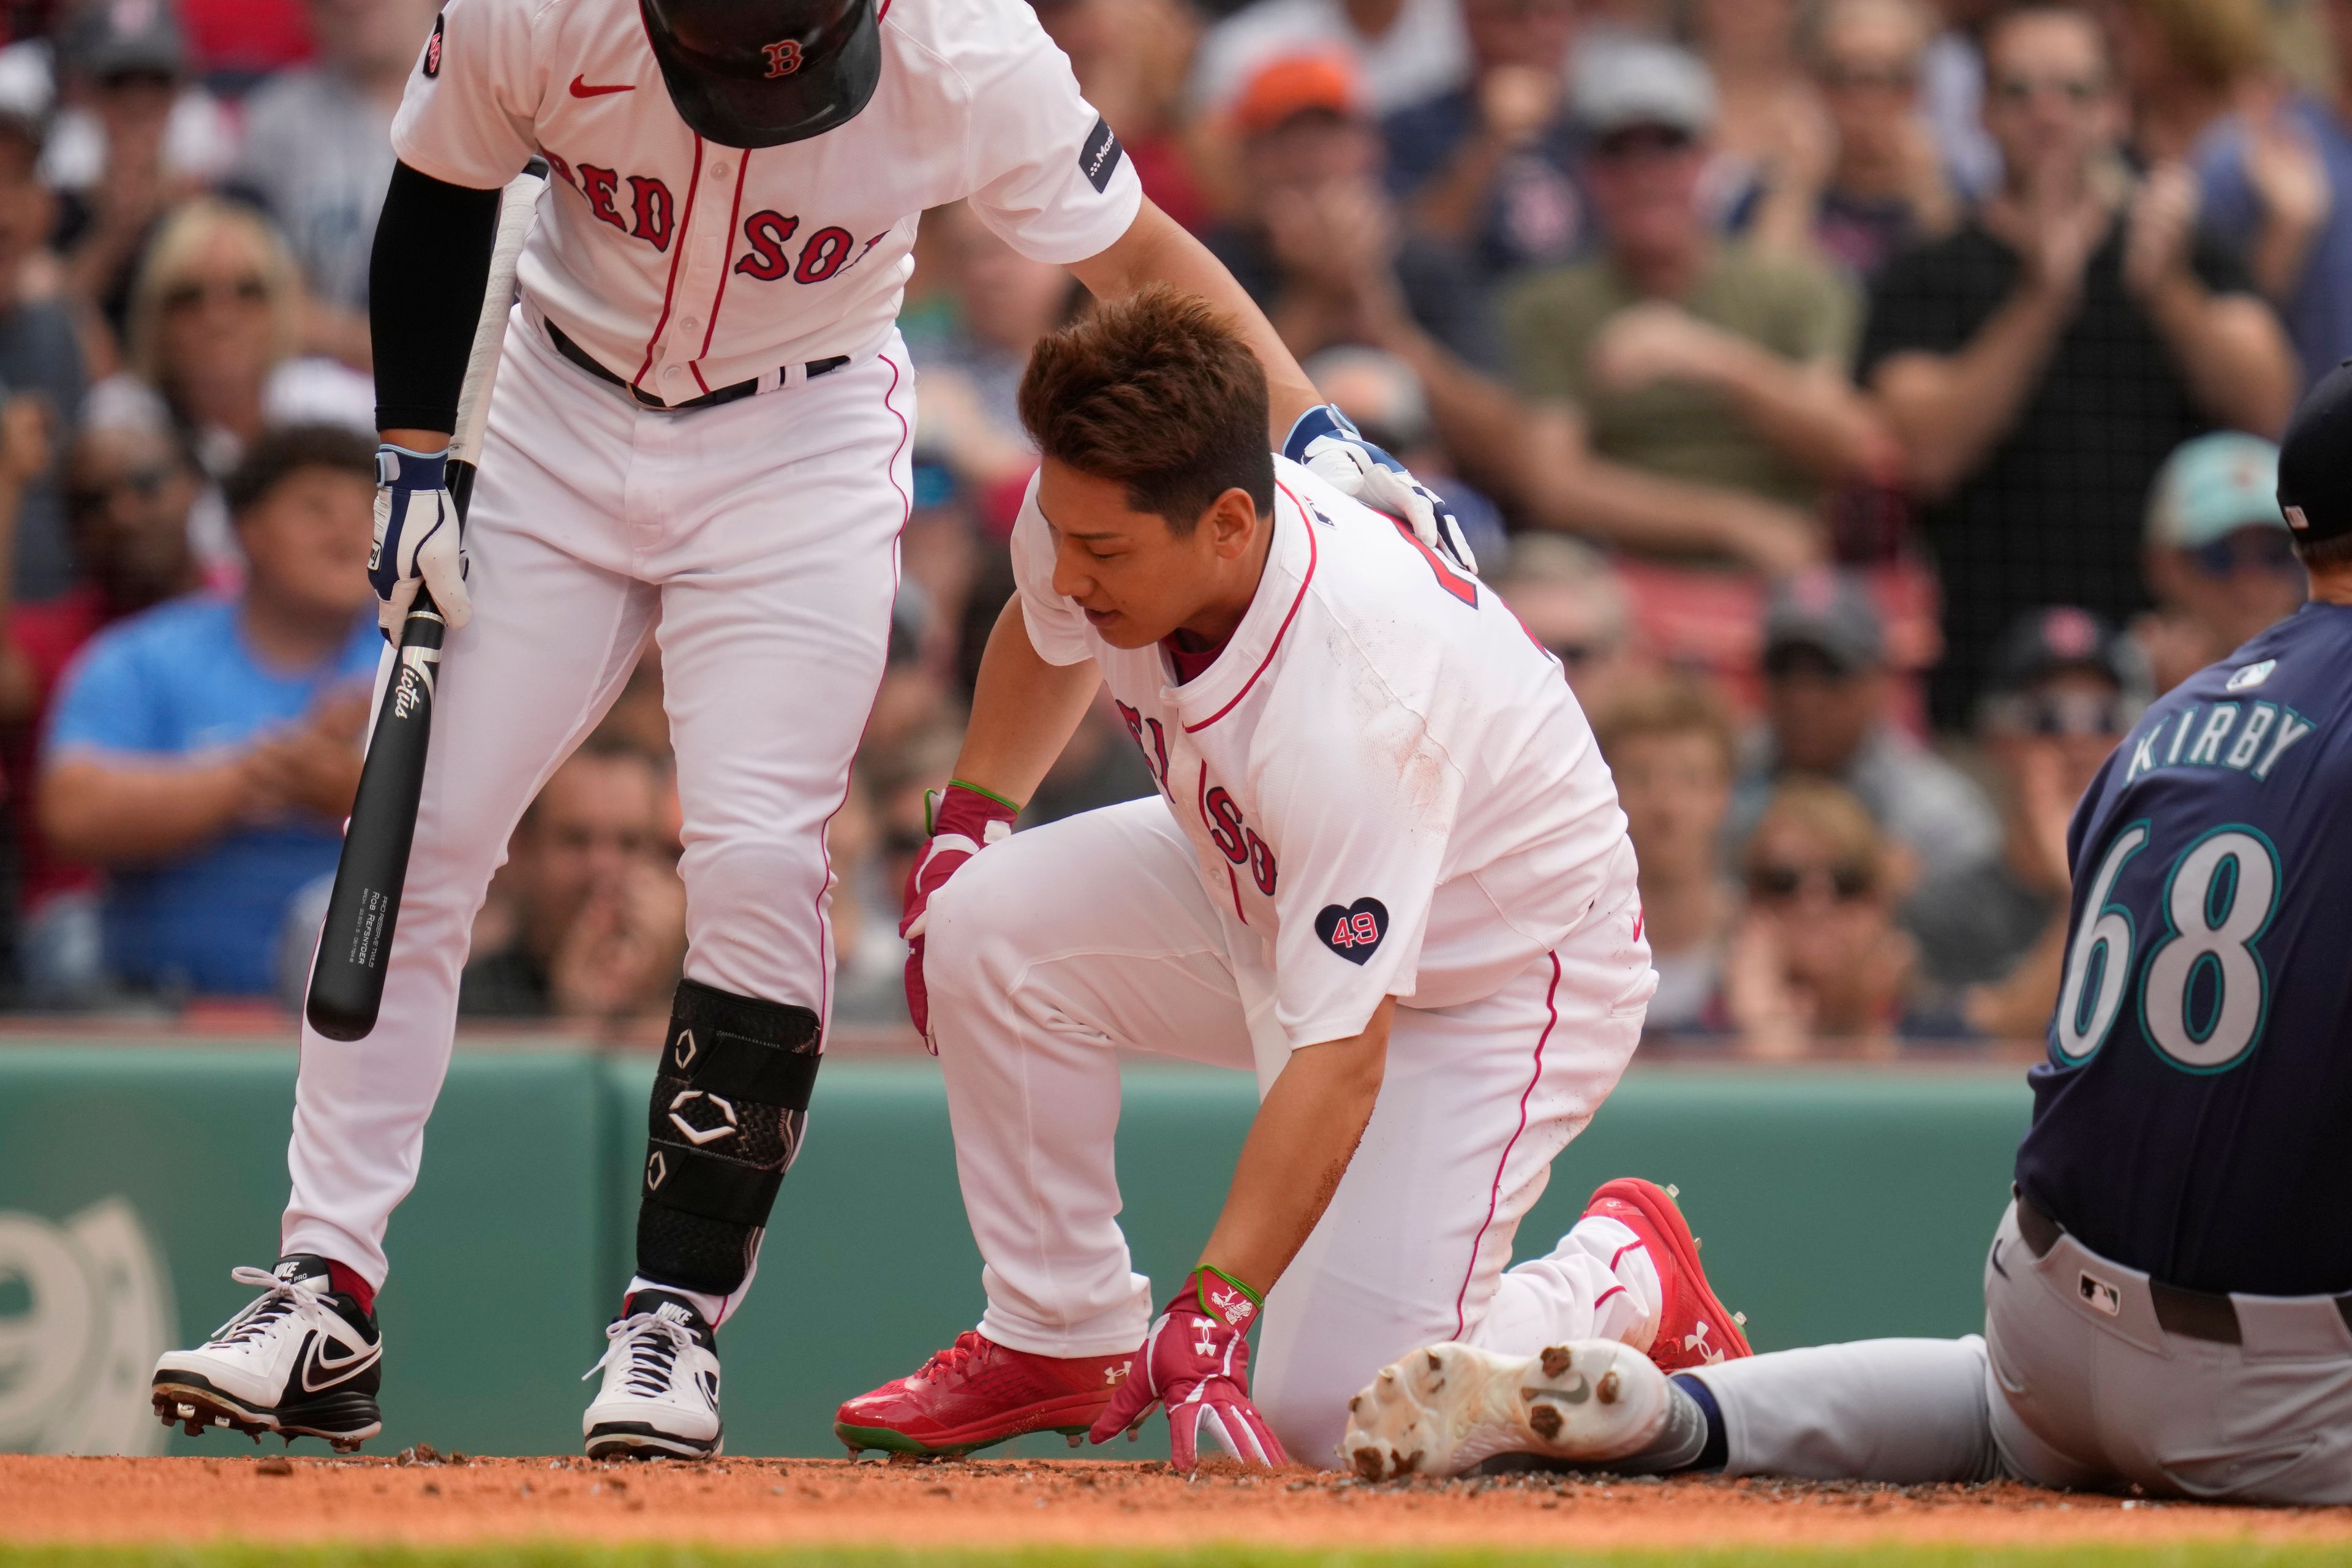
456,1500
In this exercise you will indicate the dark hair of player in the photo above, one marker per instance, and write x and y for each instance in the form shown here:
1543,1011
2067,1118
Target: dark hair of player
282,452
1156,392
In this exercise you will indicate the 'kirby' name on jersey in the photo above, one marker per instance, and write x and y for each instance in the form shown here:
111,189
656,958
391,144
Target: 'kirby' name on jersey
2250,736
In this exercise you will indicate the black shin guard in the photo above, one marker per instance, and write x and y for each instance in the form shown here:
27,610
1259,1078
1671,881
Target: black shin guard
730,1104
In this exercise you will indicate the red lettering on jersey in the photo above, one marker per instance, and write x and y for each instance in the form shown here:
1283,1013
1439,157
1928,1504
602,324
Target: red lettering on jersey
563,170
655,213
1452,581
1261,857
765,233
783,57
1225,820
598,186
1159,746
822,257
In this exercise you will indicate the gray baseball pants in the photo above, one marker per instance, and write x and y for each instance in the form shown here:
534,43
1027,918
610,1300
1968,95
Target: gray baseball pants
2074,1385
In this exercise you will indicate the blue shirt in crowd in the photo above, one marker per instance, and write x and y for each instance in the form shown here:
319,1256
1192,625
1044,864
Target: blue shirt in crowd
2319,315
177,681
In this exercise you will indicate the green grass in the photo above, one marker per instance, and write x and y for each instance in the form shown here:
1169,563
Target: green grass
2205,1554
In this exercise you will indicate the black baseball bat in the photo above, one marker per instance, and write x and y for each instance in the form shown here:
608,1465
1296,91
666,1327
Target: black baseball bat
355,943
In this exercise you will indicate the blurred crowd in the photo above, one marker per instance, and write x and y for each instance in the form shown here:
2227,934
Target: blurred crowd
1870,402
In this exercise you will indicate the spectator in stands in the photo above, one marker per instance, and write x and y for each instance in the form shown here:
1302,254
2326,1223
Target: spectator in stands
318,154
1695,402
1315,218
1772,142
1670,748
2183,64
1570,600
1383,394
129,64
205,750
1952,80
2065,689
2221,563
40,353
2278,180
971,377
1826,691
216,333
129,491
1403,50
1490,166
2039,364
1818,965
600,913
1129,57
1886,191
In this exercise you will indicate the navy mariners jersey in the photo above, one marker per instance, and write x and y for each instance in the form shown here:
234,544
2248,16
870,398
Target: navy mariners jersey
2194,1119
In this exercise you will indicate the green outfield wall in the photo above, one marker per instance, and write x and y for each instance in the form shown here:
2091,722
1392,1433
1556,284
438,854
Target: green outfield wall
1834,1204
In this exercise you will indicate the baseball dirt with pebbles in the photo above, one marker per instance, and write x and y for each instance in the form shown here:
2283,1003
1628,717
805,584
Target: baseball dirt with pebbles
423,1498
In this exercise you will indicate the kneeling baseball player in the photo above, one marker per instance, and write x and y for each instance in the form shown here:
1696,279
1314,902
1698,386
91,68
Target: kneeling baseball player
1385,869
2168,1299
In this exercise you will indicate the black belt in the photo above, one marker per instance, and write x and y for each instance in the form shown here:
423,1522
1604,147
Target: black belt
2195,1314
587,361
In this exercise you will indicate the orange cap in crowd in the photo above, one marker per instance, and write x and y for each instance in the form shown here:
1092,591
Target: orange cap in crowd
1283,89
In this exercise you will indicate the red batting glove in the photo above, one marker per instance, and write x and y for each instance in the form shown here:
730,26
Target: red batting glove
965,819
1195,1360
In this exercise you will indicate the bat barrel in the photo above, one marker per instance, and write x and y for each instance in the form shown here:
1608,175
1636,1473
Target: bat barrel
355,943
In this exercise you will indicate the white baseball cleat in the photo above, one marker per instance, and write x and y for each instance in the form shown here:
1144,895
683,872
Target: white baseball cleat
302,1361
1446,1409
660,1394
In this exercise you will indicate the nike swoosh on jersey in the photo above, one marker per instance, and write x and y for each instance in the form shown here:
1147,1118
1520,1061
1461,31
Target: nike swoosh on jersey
314,1356
580,87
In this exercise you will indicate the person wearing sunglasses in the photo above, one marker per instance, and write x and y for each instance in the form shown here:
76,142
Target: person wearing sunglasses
2039,364
2066,687
1886,190
1818,964
1828,709
2221,563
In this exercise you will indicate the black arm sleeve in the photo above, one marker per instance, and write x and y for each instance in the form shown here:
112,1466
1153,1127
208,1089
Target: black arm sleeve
426,278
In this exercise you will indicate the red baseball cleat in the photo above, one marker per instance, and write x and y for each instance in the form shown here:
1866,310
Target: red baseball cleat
1694,1327
976,1392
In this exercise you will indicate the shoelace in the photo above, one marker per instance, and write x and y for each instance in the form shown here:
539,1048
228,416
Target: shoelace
968,1347
284,1296
652,1344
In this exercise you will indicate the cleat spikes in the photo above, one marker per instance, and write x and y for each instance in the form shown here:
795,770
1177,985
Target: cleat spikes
1077,1440
1556,1359
1610,1384
1673,1191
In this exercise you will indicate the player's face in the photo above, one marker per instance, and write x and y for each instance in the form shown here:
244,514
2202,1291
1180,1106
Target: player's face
1138,580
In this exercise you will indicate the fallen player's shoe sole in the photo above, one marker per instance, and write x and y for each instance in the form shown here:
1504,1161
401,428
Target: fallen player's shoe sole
1446,1409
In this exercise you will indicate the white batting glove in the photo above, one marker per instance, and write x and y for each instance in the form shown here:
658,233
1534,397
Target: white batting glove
417,539
1328,444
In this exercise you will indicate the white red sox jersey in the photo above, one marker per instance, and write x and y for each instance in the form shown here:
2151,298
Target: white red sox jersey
684,266
1382,775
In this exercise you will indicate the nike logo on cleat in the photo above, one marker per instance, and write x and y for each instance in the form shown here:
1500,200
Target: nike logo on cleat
580,87
331,1371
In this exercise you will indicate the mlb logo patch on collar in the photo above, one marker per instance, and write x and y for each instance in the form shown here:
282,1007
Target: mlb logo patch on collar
1353,932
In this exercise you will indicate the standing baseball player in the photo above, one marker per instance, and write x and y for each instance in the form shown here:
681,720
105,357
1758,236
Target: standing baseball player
701,425
2168,1299
1385,869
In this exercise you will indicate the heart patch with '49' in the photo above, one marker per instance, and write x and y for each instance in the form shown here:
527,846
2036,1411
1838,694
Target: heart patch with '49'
1353,932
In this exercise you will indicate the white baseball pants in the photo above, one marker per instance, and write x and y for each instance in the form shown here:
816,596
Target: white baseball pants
1054,946
761,537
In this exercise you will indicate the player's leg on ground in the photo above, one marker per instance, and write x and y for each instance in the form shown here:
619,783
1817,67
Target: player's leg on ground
1043,953
771,524
1907,1411
1476,1101
557,628
2082,1365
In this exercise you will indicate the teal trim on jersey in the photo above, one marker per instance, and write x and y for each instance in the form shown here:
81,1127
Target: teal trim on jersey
2173,933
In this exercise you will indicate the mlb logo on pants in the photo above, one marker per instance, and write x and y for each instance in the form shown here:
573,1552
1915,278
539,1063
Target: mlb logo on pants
2102,1296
